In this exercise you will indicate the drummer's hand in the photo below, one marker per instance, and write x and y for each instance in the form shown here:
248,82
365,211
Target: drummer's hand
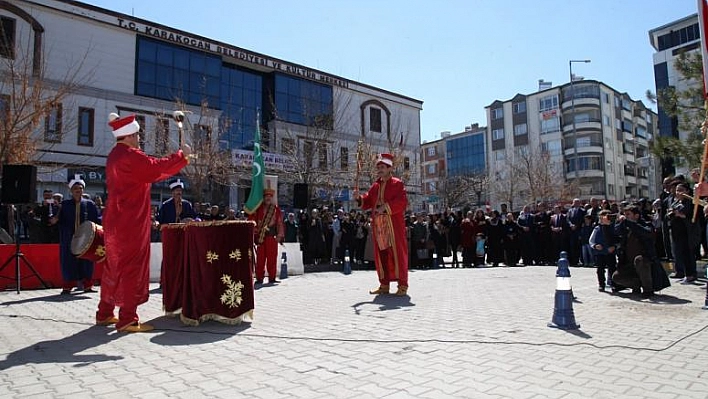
186,150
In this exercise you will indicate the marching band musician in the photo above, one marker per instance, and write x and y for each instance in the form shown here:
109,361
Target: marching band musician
269,231
75,272
176,209
126,224
387,198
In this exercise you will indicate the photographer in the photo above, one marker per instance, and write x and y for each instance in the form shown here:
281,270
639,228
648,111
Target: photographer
636,254
684,234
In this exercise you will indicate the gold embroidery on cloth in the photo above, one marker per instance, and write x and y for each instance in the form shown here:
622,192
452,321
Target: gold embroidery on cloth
211,256
235,254
232,296
100,251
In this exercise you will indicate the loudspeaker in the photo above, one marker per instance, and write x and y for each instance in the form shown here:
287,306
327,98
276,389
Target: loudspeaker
300,197
19,184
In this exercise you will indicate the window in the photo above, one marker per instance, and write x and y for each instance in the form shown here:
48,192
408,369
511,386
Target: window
611,189
618,124
322,155
52,125
605,120
141,133
498,134
584,163
582,90
303,102
519,108
344,158
552,147
617,102
499,155
583,142
605,97
432,168
406,163
162,135
550,125
610,167
626,104
548,102
241,100
7,38
202,138
649,118
432,187
641,132
497,113
171,72
431,151
375,119
520,130
308,153
85,134
4,109
287,146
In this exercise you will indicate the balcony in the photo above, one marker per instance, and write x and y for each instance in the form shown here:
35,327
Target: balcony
590,124
581,101
588,173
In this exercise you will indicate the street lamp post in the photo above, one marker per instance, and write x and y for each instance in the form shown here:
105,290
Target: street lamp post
575,133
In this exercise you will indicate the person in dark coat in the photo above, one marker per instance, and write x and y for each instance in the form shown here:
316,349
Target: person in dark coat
510,241
494,230
75,272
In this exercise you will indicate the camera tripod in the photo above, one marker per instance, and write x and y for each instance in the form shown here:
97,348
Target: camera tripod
17,257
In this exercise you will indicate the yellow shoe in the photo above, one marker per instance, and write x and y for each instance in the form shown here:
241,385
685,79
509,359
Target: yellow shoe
136,328
402,291
107,322
383,289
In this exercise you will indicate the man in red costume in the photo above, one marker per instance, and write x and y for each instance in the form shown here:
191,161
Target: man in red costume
268,233
387,199
126,224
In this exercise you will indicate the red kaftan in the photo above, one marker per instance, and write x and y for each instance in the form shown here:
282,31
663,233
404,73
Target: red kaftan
267,251
126,225
391,263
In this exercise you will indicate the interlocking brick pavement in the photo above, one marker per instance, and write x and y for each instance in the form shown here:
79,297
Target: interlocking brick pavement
462,333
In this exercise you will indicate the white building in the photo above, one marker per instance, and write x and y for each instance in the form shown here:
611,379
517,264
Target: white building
591,139
670,40
127,65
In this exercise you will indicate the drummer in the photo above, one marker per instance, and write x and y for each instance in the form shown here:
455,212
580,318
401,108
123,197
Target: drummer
72,212
176,209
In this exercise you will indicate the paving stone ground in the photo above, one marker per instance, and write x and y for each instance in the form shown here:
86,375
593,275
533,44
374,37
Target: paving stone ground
461,333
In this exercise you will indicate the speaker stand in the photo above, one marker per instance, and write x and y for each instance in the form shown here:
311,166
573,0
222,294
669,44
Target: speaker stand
17,257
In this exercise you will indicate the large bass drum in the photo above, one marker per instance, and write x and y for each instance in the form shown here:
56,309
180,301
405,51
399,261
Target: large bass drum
88,242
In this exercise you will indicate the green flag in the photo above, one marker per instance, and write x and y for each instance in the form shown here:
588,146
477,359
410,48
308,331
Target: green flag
255,198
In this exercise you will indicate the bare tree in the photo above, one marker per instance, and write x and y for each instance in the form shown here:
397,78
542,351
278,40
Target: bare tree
539,176
31,103
211,172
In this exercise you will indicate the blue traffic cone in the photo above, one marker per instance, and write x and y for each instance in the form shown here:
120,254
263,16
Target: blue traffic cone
563,316
284,266
347,266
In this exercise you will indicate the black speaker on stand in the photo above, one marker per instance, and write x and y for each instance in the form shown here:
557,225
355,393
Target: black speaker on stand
300,196
19,186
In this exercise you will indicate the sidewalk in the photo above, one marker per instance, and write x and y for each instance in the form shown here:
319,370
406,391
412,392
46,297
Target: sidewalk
462,333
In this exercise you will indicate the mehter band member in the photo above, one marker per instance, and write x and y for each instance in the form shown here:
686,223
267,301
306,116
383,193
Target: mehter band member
126,224
388,202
